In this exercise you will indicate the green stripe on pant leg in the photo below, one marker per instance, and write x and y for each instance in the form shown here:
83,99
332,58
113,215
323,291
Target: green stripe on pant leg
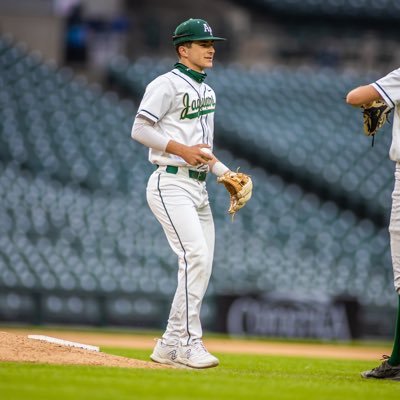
395,357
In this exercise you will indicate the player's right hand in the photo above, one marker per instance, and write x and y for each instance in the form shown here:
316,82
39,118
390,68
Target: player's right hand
197,154
193,155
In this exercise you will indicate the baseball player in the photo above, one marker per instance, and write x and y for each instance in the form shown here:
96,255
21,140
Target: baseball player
175,120
388,90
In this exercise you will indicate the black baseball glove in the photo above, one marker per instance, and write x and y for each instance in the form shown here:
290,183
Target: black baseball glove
375,114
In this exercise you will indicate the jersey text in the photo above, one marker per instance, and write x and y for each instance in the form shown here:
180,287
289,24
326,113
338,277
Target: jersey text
196,108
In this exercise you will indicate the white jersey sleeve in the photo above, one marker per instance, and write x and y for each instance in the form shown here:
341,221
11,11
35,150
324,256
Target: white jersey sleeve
389,87
157,99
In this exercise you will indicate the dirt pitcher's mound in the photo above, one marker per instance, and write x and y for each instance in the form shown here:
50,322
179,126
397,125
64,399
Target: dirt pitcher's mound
21,349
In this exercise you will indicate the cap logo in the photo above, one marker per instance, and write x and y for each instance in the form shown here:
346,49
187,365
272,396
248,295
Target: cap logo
207,28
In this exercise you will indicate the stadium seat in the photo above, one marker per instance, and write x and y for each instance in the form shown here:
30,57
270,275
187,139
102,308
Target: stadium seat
72,219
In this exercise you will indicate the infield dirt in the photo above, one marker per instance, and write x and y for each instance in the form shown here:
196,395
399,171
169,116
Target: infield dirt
15,346
19,348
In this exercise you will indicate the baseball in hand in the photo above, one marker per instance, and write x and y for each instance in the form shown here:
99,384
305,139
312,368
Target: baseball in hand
206,150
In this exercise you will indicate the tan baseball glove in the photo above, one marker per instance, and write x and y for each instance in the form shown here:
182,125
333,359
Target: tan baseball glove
375,115
239,186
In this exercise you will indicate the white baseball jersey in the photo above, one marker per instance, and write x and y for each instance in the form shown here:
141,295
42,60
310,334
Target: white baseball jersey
389,88
182,109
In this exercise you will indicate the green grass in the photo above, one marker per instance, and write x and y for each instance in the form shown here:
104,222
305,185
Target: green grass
238,377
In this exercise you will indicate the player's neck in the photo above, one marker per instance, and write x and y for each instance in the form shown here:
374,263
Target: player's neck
196,75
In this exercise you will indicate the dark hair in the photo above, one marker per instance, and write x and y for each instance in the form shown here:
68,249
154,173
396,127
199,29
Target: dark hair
186,44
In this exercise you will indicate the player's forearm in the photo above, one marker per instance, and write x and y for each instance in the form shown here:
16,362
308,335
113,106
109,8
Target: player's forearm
217,167
362,95
144,132
175,148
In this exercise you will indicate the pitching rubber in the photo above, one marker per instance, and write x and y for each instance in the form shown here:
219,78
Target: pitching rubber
63,342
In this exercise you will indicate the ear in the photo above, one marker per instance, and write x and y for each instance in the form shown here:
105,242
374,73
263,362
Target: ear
183,51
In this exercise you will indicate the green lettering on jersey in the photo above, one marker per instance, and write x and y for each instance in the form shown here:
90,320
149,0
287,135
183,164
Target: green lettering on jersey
197,107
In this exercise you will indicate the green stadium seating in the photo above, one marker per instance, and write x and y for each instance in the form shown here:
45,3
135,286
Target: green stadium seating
74,223
376,9
295,123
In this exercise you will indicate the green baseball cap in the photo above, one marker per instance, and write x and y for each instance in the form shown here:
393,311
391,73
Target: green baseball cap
193,30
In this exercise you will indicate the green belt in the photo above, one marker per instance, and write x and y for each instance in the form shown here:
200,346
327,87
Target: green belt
198,175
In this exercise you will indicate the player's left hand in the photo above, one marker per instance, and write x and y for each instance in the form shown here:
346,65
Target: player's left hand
375,115
239,186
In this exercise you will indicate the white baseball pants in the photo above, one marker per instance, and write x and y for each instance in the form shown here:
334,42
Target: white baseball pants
181,206
394,229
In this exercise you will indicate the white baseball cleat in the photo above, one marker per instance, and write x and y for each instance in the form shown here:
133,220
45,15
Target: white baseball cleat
196,355
165,354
